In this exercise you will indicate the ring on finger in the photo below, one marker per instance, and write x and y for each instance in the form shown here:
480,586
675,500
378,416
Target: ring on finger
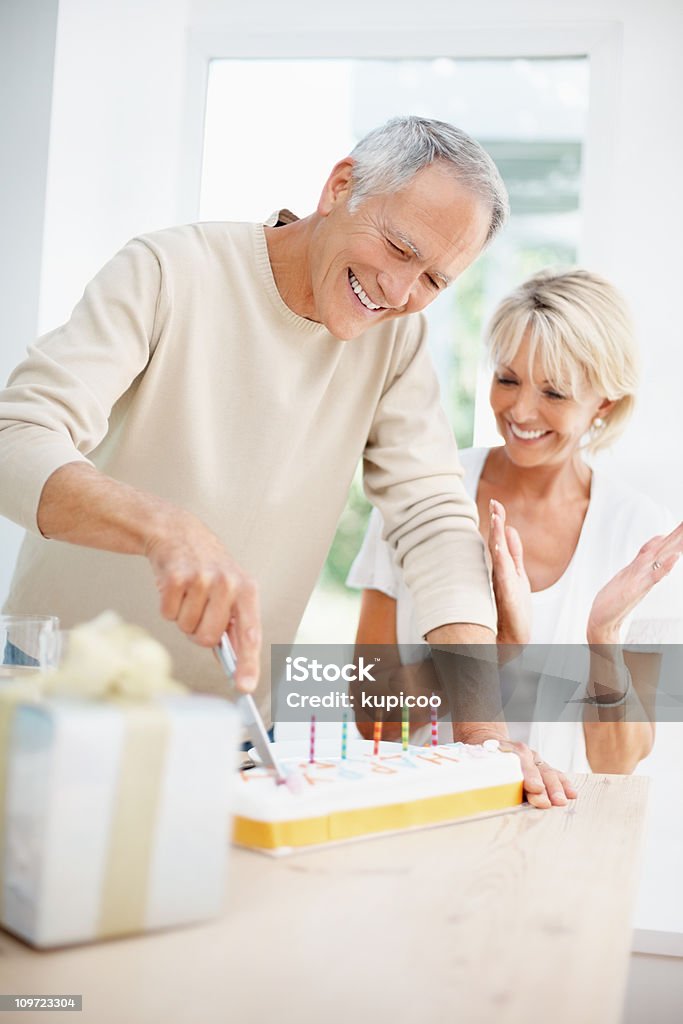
656,565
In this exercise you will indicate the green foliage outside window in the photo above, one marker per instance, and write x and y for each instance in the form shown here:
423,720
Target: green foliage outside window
349,535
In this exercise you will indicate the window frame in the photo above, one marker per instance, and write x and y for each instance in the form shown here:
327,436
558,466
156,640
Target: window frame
600,42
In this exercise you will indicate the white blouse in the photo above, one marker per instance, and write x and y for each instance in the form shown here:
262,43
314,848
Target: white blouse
618,521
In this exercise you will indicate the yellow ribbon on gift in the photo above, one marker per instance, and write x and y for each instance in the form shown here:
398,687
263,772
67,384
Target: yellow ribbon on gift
133,826
135,802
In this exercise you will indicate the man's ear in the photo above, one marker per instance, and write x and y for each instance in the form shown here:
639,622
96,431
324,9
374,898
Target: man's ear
337,188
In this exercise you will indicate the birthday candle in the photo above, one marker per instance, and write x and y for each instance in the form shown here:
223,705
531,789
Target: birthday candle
311,753
377,736
405,728
345,732
435,728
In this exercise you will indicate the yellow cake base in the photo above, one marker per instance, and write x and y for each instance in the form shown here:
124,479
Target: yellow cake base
352,824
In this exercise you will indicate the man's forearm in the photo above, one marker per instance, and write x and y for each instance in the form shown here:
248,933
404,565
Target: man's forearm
477,732
469,633
472,678
201,588
80,505
461,633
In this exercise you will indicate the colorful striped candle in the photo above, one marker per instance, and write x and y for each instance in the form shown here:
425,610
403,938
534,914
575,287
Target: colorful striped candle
405,728
377,737
345,733
311,751
435,728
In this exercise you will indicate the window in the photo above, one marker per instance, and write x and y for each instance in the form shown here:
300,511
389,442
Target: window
275,128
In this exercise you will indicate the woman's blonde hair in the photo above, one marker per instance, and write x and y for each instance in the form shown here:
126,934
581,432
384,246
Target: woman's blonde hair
580,327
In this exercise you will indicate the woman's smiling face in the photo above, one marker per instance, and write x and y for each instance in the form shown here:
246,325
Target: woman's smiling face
540,424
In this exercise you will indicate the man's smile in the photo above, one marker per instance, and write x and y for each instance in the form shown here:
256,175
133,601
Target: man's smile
361,294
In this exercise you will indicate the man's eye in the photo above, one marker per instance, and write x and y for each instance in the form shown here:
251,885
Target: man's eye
434,284
395,248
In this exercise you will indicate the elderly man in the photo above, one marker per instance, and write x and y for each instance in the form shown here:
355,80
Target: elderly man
206,405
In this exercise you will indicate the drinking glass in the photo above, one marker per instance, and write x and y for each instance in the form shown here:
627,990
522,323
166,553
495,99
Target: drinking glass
27,644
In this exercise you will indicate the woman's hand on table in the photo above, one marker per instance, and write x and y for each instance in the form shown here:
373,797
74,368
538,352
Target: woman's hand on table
511,586
544,786
626,590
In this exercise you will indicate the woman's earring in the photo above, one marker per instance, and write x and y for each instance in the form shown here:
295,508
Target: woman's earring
598,423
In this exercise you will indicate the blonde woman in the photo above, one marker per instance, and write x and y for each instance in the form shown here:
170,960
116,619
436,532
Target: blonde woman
577,555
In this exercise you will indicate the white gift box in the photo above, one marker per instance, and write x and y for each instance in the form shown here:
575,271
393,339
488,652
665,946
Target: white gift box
113,814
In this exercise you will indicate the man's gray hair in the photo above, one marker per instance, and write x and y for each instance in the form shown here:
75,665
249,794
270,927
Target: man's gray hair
388,157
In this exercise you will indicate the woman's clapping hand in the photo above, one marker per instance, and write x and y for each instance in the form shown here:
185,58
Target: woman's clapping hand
511,586
626,590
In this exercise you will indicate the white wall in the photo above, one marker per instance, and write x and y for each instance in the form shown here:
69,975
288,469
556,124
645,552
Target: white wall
27,43
126,128
111,122
634,231
115,141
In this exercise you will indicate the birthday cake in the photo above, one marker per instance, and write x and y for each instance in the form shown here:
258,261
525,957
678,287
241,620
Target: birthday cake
371,790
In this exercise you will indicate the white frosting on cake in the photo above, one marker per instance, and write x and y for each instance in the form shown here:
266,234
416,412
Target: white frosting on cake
331,785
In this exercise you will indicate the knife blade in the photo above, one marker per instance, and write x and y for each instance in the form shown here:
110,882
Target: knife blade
251,717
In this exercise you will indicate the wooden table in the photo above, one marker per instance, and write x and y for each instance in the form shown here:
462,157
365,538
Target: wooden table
523,917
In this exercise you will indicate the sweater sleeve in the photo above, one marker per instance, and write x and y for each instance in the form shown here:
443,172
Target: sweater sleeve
55,408
413,475
373,567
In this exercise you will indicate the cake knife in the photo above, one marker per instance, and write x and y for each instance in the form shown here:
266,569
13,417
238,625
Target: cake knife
251,717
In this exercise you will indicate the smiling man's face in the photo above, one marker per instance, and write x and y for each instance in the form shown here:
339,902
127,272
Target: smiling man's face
394,253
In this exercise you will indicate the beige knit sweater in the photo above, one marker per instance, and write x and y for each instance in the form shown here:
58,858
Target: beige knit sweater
182,372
